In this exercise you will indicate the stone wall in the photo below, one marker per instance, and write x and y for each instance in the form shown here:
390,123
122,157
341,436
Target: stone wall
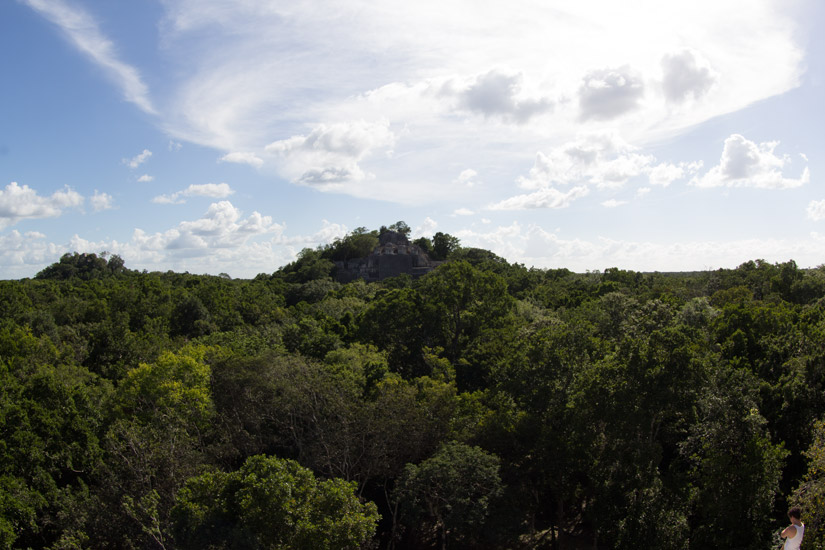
394,256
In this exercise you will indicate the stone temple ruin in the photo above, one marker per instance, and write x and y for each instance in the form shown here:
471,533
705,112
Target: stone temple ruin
393,256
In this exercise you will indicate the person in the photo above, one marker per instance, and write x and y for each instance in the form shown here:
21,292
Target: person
794,532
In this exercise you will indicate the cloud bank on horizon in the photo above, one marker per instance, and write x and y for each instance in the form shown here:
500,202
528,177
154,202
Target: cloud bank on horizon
525,128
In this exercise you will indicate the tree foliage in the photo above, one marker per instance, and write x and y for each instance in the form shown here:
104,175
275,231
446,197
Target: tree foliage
484,405
271,503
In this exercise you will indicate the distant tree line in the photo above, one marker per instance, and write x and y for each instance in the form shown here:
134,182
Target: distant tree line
483,405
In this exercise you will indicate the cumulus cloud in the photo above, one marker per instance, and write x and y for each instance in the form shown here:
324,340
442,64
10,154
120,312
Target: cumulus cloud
22,202
601,159
212,190
102,201
748,164
533,245
220,227
138,159
243,158
467,178
84,33
24,254
684,77
613,203
330,154
606,94
222,240
145,178
463,212
666,173
496,94
816,210
548,197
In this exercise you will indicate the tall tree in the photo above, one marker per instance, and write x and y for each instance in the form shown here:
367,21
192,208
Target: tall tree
271,504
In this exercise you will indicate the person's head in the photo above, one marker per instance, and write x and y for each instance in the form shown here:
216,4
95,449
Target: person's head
795,512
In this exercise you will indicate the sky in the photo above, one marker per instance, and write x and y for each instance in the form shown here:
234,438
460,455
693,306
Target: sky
223,137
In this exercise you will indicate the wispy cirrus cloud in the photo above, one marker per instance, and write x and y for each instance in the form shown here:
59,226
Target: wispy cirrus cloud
84,33
448,76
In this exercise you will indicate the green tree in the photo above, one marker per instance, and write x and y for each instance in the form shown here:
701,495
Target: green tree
810,494
733,466
451,491
443,245
271,503
466,308
84,266
398,227
163,418
51,416
395,322
310,265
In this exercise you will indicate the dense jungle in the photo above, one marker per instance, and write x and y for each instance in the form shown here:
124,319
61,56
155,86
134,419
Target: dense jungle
483,405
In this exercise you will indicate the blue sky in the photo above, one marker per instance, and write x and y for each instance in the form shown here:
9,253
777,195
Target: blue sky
216,136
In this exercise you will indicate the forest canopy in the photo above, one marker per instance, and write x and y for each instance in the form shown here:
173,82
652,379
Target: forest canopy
482,405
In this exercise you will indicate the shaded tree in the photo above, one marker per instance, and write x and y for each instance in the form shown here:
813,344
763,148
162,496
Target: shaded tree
271,503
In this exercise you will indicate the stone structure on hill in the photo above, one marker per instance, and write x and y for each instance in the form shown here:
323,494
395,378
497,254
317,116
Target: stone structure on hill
393,256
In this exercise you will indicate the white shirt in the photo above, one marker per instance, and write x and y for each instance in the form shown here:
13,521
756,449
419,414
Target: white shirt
793,543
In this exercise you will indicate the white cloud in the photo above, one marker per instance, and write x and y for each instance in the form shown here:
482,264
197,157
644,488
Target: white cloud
138,159
328,156
547,197
211,190
613,203
816,210
463,212
102,201
145,178
243,158
606,94
220,227
602,159
84,33
747,164
18,203
664,174
222,240
24,254
427,227
467,178
686,76
533,246
496,94
174,145
265,68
